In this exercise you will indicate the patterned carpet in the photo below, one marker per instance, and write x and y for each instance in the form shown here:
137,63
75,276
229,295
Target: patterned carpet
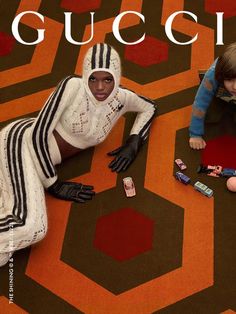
167,250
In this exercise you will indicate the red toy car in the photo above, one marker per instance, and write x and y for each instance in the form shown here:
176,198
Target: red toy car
129,187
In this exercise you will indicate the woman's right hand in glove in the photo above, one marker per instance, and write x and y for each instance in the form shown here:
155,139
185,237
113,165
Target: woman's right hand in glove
71,191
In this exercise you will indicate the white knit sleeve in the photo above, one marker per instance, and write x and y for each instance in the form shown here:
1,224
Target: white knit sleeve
45,124
146,110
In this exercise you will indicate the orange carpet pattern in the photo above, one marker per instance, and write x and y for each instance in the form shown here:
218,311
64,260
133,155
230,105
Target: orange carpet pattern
189,266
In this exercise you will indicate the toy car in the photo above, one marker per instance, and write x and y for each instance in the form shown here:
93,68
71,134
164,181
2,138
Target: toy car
203,189
228,172
182,177
180,164
213,171
129,187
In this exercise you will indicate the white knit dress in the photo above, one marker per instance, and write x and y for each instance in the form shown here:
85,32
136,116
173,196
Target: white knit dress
29,152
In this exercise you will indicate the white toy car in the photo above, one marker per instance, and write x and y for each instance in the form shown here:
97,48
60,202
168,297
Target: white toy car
205,190
129,187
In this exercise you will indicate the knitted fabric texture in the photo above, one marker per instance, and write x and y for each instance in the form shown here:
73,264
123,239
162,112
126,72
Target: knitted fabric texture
28,153
23,209
101,57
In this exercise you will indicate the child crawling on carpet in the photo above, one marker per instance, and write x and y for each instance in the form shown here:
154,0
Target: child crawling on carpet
79,114
219,82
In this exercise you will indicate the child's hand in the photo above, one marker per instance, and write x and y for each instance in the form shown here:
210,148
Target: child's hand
197,143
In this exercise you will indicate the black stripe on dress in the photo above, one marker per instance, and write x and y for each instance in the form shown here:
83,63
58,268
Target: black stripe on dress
41,129
108,57
93,61
101,56
15,166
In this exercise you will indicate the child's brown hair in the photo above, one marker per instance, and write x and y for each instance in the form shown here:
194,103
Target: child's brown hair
226,64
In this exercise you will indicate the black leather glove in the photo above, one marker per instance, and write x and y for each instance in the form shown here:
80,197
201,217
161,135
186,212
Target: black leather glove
71,191
125,154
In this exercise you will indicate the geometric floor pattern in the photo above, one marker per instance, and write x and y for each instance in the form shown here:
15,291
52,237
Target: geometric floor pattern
167,250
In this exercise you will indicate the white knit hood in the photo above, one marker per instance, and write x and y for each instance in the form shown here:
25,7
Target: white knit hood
102,57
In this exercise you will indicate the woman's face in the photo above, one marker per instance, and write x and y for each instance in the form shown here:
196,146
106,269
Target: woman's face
101,84
230,85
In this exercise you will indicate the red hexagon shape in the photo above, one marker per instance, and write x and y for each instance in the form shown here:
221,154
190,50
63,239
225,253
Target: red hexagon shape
6,44
124,234
226,6
80,6
220,151
150,51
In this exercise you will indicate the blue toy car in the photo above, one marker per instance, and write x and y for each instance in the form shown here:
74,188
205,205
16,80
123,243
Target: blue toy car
182,177
228,172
